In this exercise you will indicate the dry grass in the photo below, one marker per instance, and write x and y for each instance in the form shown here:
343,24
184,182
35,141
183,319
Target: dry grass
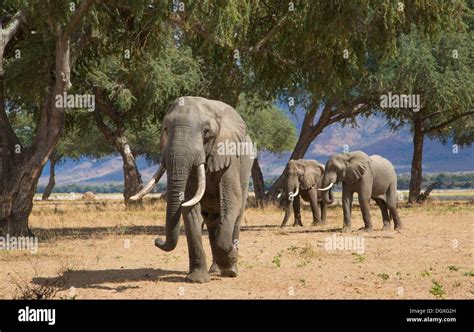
105,251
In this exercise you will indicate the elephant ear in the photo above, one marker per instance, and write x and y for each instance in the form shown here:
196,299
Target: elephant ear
356,166
311,176
232,131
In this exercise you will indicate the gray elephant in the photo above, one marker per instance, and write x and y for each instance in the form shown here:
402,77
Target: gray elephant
207,155
302,179
370,177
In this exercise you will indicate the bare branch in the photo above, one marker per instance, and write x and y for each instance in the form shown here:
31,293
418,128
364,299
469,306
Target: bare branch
12,28
273,31
447,122
105,106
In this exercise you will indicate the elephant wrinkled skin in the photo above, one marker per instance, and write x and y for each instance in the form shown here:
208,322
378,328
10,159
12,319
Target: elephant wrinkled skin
370,177
212,180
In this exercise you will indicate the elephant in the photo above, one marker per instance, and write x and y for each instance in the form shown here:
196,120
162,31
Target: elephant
302,178
207,155
370,177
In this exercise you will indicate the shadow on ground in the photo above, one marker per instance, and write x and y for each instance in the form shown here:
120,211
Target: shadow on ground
48,234
97,278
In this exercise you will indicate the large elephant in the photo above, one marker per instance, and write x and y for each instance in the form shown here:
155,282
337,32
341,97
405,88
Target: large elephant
302,179
207,155
369,177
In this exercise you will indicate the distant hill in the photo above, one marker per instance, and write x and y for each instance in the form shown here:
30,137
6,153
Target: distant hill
372,136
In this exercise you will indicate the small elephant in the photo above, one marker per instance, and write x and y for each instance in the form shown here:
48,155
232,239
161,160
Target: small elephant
207,155
370,177
302,178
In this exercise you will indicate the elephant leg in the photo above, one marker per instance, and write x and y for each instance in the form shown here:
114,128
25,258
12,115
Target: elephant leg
385,217
324,210
347,209
392,207
212,219
236,233
297,211
364,202
197,257
226,254
313,201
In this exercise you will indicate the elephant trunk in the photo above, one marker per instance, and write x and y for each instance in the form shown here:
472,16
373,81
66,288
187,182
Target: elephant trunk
174,195
328,197
288,213
179,165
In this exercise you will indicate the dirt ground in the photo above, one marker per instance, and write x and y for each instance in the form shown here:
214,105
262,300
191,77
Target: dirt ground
103,251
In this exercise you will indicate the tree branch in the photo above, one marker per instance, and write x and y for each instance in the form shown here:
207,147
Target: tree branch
76,19
12,27
5,36
105,105
108,134
426,117
273,31
447,122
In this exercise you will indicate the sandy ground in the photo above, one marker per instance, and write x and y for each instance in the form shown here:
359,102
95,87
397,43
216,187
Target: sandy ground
103,251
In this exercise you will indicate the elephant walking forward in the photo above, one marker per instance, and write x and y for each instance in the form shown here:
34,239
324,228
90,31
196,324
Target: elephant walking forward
302,179
370,177
207,155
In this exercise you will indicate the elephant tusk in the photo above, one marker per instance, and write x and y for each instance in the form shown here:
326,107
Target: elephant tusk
201,187
279,195
327,188
154,180
291,195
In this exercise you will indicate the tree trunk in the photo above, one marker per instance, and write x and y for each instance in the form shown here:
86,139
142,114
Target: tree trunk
132,178
258,183
53,160
427,192
416,162
21,168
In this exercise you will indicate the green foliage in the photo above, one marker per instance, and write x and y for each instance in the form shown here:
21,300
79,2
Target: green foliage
268,127
441,73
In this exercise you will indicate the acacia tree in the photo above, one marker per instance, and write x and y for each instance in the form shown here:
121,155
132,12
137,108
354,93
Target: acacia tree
319,54
135,68
440,73
315,54
55,25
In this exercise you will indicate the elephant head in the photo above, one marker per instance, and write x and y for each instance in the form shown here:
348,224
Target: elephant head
193,132
344,167
300,174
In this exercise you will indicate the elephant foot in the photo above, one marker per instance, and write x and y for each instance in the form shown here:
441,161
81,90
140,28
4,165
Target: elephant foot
298,223
214,268
198,276
319,223
346,229
398,227
386,227
230,273
367,229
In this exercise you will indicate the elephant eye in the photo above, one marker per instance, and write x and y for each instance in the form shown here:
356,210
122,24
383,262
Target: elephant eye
206,131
